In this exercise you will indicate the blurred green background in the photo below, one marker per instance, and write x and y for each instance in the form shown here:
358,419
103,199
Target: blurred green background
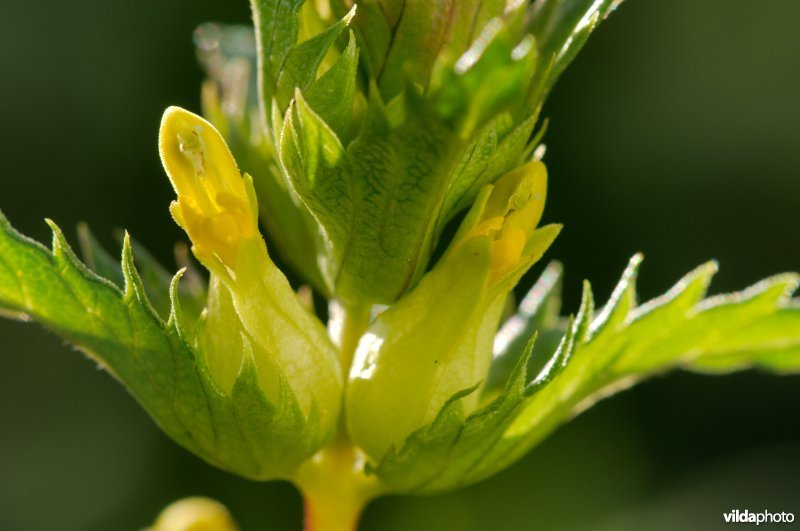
676,132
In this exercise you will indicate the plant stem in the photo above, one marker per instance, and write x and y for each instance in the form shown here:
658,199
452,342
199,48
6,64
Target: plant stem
335,488
352,324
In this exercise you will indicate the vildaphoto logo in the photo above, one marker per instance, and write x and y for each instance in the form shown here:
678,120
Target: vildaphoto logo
764,517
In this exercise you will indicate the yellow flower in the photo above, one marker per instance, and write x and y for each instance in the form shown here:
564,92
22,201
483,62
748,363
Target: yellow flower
510,216
195,514
215,205
252,312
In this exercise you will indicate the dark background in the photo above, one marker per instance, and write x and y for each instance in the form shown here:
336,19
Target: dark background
676,132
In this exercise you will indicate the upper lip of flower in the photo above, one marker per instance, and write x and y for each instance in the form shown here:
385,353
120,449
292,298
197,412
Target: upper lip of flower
213,205
510,214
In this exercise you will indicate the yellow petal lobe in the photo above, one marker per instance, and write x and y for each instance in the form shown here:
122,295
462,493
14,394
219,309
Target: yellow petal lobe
213,205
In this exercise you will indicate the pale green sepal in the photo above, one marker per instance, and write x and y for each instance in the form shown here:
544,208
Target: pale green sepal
284,335
432,337
440,334
266,411
218,336
278,433
437,457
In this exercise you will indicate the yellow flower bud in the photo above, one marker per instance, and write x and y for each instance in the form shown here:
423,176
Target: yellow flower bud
214,204
510,215
195,514
252,310
440,334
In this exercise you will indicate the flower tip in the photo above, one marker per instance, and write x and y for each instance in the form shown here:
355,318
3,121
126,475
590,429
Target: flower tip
195,514
213,204
512,211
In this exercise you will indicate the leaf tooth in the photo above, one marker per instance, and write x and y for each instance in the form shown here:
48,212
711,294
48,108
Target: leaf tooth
775,291
134,287
622,301
565,354
518,378
556,363
62,252
331,150
254,413
585,314
334,93
302,63
376,121
175,321
64,256
247,380
95,256
684,295
452,411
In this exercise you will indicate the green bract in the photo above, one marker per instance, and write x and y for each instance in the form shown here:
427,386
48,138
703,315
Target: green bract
239,429
387,133
355,133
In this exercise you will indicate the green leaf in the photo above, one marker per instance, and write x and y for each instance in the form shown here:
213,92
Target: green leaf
496,149
626,343
230,102
468,20
599,355
561,28
277,25
377,202
332,95
373,27
444,454
300,67
241,431
155,278
434,457
97,258
446,110
538,314
421,33
492,76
